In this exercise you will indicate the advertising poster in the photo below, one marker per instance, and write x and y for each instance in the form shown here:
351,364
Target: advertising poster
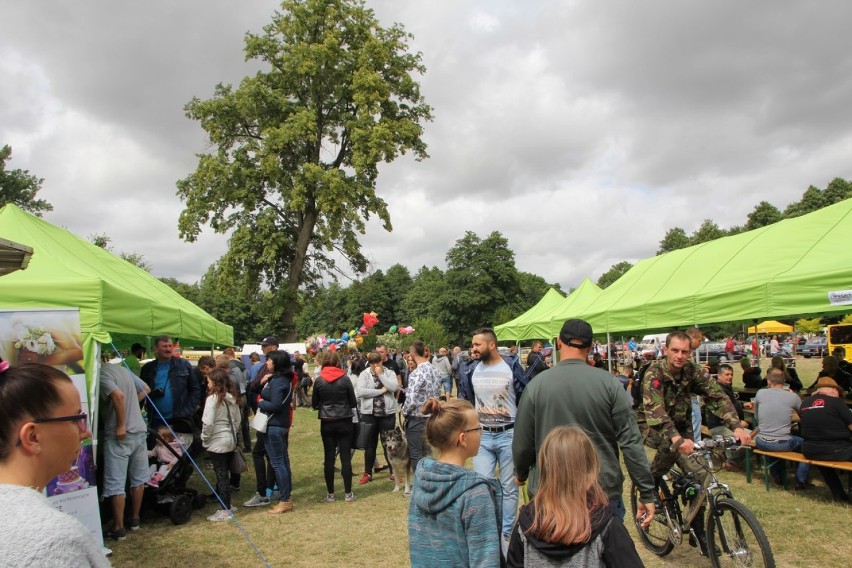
52,337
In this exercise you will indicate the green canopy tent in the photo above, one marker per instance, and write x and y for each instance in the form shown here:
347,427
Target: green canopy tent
518,328
796,266
577,301
113,296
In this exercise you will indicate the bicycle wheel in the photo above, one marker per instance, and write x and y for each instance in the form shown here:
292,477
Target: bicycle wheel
738,535
656,536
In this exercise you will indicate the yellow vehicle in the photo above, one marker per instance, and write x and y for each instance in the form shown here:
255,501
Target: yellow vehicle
840,335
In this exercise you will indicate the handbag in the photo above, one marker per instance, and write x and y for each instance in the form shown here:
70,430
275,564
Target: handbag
238,463
259,421
361,433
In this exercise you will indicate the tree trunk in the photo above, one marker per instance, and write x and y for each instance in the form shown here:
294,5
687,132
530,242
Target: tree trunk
297,268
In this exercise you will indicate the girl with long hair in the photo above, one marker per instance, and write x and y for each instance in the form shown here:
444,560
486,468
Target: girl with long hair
569,521
219,422
450,504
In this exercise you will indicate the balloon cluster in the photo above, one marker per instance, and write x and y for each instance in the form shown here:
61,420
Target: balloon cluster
353,338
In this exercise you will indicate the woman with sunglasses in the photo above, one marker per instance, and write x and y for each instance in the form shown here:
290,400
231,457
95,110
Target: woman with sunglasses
41,427
451,504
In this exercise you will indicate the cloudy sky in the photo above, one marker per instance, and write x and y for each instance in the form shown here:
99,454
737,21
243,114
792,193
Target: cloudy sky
580,130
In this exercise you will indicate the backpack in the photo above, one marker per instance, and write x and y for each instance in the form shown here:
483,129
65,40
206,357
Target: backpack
635,386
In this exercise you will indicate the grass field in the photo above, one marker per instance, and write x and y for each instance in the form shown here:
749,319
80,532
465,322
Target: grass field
804,528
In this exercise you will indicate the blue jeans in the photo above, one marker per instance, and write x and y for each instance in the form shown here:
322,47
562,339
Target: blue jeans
794,444
276,449
496,448
448,384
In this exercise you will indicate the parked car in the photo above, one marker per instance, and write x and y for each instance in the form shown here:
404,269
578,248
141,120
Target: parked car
648,351
815,347
716,349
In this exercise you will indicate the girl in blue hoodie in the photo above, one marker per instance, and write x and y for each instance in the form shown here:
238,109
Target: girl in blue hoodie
454,516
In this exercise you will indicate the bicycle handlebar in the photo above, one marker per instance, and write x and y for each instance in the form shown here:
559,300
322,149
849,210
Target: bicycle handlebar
716,442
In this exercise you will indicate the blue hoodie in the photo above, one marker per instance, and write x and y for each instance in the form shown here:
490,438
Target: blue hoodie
454,517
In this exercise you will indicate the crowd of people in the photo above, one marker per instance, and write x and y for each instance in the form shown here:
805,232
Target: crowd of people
556,429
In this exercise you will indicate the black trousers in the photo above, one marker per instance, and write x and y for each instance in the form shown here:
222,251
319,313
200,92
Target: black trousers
221,467
375,426
337,433
262,466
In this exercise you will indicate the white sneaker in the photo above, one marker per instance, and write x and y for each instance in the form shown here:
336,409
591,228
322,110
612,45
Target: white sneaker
256,501
220,515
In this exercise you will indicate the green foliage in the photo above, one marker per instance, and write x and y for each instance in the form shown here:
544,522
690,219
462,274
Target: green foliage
431,332
847,319
808,326
421,300
19,187
764,214
615,272
708,231
481,278
675,239
104,241
533,288
297,145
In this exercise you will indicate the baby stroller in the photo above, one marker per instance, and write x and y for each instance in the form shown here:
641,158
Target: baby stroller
173,497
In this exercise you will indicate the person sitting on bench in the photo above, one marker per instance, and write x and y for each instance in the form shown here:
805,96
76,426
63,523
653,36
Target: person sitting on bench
826,424
773,414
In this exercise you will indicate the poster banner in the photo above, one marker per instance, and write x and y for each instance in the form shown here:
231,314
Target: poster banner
53,337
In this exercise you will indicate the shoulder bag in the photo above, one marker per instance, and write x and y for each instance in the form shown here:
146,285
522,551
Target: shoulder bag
238,463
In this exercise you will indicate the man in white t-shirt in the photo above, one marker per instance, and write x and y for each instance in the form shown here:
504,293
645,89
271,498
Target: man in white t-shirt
496,404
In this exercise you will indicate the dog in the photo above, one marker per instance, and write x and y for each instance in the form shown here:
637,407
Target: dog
396,447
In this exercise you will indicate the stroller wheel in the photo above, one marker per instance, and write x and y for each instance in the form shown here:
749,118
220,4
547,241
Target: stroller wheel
181,509
199,501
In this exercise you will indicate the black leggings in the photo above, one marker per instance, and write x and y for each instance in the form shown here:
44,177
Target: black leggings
221,467
337,433
375,426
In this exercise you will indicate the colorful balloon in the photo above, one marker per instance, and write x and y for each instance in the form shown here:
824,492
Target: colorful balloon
392,329
363,329
359,340
345,336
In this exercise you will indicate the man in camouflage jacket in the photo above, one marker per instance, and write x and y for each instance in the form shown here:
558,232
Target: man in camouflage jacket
665,415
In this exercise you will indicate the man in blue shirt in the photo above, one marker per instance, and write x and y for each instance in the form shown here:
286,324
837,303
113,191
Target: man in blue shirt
174,390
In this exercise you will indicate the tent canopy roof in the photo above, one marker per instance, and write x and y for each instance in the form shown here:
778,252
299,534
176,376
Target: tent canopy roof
771,326
113,295
515,329
784,269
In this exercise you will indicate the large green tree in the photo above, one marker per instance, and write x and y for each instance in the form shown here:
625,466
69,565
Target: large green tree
764,214
19,187
297,145
481,278
674,239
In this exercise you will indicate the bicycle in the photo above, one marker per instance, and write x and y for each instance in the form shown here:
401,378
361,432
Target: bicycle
734,535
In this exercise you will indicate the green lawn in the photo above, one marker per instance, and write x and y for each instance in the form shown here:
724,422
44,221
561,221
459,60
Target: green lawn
804,528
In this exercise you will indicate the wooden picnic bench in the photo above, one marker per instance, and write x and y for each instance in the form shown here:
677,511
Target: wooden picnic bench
771,458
